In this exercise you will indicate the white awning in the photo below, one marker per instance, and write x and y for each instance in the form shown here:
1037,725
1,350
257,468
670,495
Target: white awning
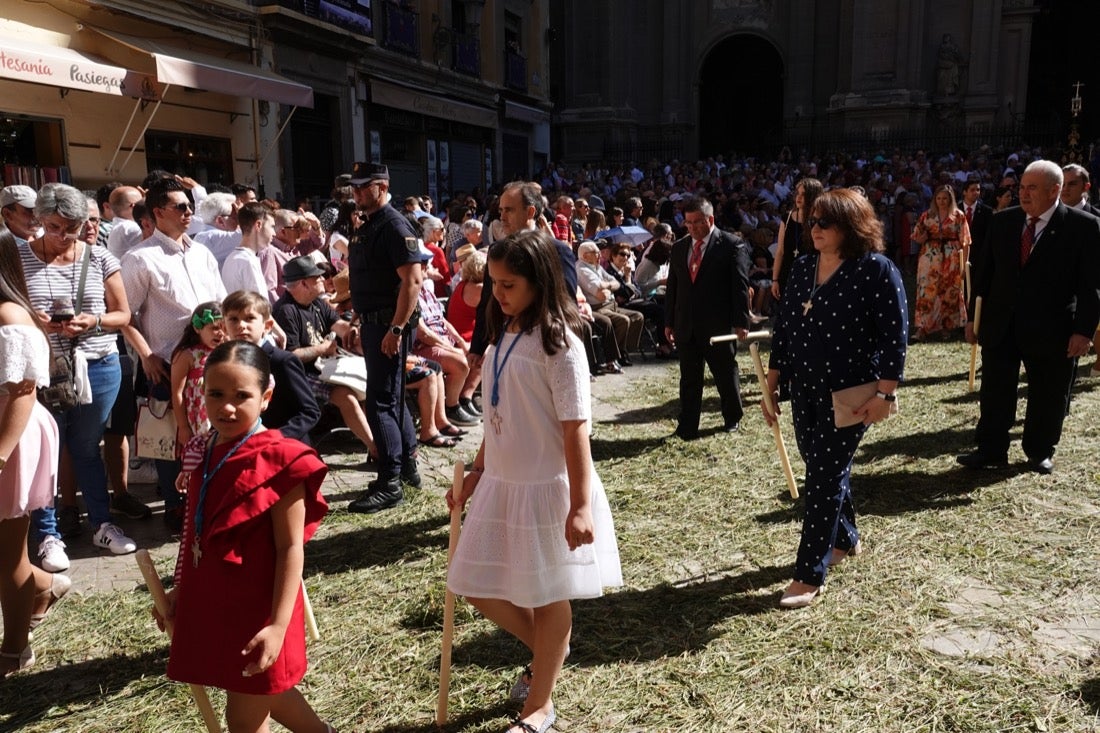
426,103
197,70
42,63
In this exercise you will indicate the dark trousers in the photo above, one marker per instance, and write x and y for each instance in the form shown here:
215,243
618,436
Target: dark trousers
721,358
1048,383
830,517
387,415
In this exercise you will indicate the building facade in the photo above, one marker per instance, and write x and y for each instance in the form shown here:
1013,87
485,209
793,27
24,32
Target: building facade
451,94
719,76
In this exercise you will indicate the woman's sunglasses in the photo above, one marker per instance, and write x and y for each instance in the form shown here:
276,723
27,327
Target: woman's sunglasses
821,221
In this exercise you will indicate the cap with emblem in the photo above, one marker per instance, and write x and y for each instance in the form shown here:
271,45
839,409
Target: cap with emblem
363,172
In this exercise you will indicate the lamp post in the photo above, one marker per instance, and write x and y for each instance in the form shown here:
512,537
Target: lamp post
1073,149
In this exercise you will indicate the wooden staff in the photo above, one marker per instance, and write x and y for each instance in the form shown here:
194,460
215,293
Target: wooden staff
751,336
311,620
966,271
160,600
974,346
766,395
449,604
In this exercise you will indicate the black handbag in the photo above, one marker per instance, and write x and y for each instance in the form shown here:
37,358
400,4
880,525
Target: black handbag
61,395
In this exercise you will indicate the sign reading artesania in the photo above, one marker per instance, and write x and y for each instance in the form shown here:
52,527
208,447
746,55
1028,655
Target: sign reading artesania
63,67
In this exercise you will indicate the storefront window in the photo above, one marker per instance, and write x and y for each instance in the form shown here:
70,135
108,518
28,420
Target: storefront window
206,159
32,150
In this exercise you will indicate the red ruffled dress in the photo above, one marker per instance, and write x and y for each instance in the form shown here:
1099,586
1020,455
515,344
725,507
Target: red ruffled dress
226,598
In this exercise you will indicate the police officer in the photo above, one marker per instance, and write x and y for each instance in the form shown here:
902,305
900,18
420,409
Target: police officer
385,271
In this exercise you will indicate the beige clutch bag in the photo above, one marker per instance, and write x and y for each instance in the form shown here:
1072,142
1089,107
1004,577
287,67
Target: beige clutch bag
847,401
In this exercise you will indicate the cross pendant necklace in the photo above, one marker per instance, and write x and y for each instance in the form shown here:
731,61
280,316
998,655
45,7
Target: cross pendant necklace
496,421
196,552
809,302
498,370
807,305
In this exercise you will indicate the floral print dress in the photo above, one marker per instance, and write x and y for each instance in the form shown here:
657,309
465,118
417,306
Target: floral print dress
940,303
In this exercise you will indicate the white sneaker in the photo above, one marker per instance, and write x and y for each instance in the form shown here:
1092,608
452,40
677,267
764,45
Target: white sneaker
110,537
51,555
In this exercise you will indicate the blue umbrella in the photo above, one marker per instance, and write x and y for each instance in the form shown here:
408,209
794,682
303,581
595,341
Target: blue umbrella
632,235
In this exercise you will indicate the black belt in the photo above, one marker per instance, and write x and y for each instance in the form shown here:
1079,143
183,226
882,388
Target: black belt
380,317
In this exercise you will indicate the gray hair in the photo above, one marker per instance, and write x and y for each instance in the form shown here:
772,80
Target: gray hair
587,246
215,205
430,223
470,225
1046,168
67,202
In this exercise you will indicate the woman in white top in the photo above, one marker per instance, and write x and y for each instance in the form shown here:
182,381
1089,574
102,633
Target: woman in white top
28,462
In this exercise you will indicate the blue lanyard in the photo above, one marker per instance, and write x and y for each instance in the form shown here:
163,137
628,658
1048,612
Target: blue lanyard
498,366
208,475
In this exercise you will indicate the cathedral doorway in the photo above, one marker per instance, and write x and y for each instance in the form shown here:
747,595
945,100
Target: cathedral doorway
741,97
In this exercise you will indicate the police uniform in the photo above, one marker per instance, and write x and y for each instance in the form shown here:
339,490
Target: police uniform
385,242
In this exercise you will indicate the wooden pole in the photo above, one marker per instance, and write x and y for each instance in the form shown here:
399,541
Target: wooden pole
160,600
311,620
766,396
449,605
974,346
751,336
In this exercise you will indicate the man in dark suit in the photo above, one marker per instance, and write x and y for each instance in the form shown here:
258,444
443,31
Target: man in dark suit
1075,189
707,294
978,215
1039,279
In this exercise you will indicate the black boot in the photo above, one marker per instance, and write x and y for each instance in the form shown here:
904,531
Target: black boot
381,494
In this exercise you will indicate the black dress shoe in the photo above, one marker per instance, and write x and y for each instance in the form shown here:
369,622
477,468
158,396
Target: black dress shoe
410,475
381,494
732,427
1044,466
625,362
980,460
685,435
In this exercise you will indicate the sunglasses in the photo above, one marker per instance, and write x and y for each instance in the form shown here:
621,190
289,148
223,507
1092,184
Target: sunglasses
183,208
821,221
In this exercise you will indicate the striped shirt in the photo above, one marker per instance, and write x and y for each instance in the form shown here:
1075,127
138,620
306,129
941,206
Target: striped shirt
47,283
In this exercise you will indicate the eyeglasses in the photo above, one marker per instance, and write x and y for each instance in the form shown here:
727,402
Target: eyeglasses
620,254
182,207
821,221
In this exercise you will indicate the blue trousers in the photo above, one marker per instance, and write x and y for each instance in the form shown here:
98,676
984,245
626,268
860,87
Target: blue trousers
81,430
387,415
830,518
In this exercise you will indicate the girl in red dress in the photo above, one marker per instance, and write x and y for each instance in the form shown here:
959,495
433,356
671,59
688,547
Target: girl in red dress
253,500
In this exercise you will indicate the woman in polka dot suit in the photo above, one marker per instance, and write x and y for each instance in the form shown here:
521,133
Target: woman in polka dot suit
843,323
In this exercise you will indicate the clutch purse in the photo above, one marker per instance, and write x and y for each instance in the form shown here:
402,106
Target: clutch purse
847,401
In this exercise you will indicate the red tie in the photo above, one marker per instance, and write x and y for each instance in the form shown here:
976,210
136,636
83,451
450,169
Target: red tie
1027,241
696,259
969,214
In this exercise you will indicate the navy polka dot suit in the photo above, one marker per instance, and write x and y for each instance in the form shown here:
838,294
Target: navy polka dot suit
854,332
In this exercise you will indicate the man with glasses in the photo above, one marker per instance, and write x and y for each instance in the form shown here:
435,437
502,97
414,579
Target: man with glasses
580,219
284,247
166,278
385,281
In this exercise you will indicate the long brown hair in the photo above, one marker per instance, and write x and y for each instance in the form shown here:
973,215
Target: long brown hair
13,284
531,254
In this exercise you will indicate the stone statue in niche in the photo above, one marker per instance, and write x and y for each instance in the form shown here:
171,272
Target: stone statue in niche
947,67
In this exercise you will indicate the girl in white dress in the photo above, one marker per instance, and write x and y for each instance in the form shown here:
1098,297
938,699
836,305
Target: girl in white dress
28,462
539,530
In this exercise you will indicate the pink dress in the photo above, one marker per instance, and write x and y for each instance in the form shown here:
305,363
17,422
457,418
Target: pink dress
29,480
193,400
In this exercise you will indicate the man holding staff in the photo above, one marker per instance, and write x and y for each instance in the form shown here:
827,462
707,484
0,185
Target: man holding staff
1039,279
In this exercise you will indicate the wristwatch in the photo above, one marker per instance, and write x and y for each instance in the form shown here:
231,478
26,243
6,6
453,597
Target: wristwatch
892,397
98,325
396,330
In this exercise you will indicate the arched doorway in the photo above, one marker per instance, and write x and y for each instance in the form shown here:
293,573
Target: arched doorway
741,97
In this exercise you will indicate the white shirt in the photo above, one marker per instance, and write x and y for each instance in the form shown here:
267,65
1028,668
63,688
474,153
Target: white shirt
592,279
164,283
241,271
124,236
219,242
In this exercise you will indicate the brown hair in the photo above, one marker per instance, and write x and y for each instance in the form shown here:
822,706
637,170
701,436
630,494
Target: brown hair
855,217
240,301
531,254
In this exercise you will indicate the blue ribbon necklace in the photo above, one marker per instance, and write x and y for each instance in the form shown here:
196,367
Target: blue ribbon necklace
498,369
207,477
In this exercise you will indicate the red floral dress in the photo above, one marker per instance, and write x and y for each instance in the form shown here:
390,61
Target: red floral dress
940,303
193,400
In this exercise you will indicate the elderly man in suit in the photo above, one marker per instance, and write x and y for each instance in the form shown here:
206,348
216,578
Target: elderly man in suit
707,294
1039,279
